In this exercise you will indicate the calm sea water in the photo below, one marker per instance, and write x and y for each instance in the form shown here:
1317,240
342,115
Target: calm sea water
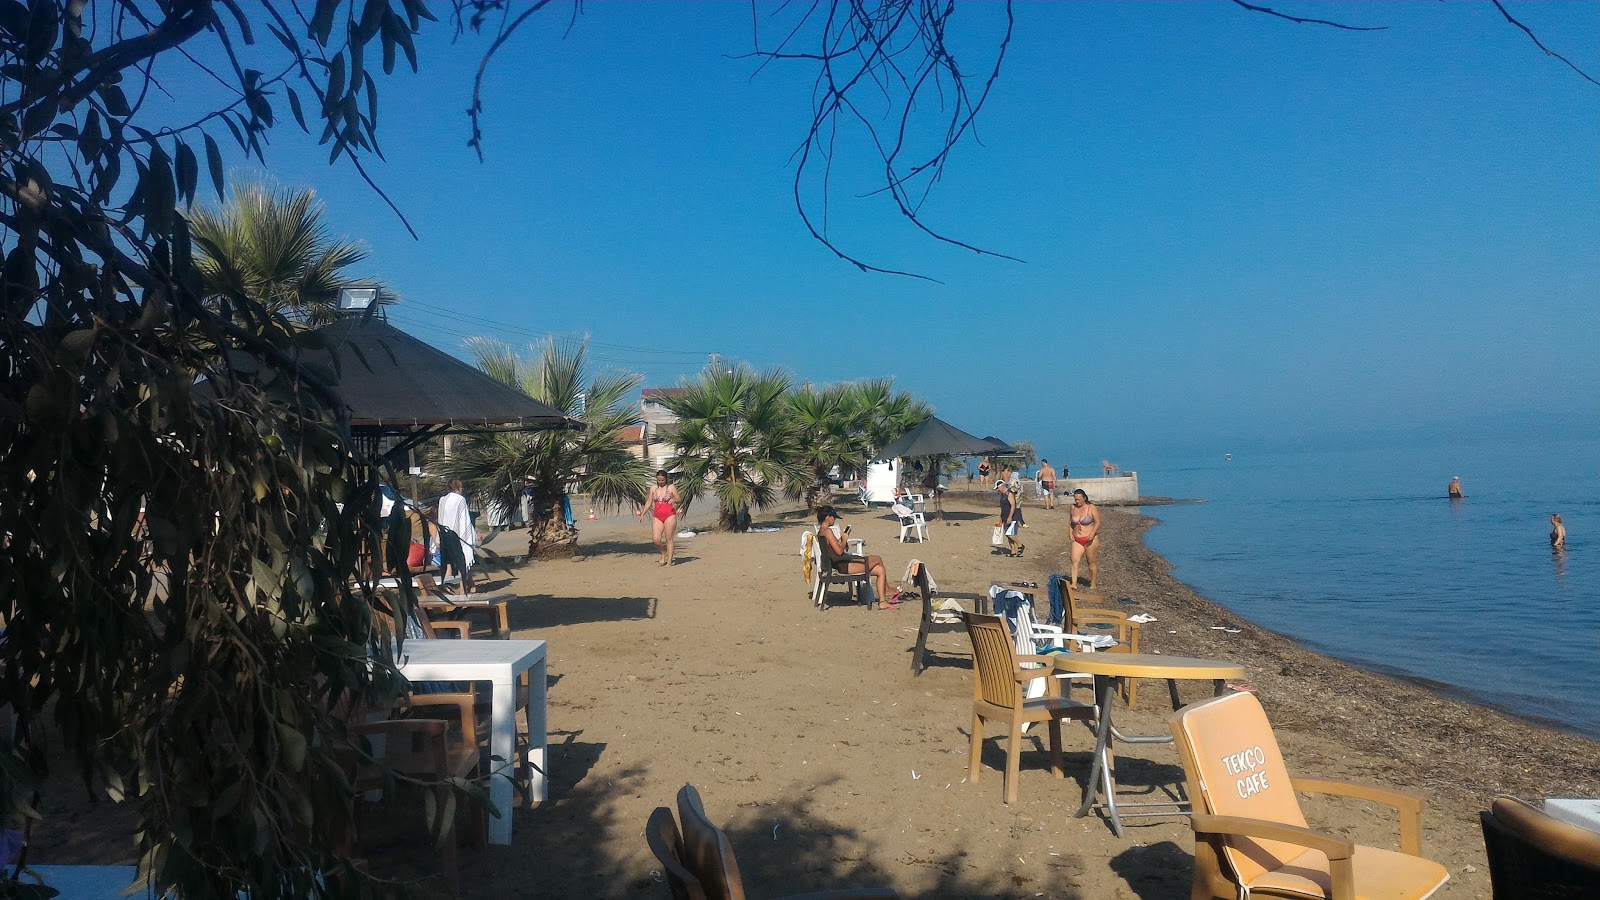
1358,555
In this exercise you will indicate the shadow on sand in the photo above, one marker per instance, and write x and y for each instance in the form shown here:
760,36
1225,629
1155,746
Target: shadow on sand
546,611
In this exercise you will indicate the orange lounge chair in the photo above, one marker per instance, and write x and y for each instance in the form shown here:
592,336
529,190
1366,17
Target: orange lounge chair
1251,838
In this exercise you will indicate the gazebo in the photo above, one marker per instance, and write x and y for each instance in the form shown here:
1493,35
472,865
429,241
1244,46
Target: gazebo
937,438
396,386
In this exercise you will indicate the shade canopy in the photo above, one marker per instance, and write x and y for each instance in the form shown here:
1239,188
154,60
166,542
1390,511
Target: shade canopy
936,437
1001,447
395,384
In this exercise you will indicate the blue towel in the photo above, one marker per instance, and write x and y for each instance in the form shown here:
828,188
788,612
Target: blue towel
1058,599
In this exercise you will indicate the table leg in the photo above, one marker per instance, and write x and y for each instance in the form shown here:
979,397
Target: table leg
1100,776
502,744
1217,688
538,751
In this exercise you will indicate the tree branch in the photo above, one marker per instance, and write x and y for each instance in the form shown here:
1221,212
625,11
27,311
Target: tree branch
1303,21
1540,44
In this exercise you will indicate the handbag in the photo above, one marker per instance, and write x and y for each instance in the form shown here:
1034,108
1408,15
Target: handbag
998,539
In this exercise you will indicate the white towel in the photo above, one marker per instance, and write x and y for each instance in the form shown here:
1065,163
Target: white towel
911,574
1142,618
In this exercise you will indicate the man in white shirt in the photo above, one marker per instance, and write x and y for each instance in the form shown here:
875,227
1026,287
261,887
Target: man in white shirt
457,536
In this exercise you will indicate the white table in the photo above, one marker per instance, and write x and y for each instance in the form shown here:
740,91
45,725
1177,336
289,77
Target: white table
1582,813
500,663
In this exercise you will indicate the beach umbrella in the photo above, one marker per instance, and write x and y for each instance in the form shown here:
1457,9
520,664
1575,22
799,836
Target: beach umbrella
936,437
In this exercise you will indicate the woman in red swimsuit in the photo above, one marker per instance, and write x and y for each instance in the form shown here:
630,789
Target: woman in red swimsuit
1085,527
664,504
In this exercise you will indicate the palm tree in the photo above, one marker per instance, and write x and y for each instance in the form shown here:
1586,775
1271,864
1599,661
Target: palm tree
886,413
269,243
736,438
596,460
832,425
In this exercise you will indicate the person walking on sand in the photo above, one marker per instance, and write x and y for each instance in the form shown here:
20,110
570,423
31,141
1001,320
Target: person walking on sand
1047,483
1085,531
1558,532
1455,488
1010,518
457,536
983,469
664,506
835,555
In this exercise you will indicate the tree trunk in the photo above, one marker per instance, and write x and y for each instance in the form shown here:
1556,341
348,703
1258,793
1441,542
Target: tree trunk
548,535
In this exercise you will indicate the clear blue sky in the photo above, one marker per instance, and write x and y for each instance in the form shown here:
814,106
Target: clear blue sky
1237,230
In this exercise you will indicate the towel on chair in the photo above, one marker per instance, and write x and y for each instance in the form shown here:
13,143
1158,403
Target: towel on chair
911,574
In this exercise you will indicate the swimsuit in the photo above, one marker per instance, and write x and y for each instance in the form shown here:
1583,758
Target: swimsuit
664,509
1086,520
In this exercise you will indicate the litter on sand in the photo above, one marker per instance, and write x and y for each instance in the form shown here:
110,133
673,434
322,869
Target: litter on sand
1142,618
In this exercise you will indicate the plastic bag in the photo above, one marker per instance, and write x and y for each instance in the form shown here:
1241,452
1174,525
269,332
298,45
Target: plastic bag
998,539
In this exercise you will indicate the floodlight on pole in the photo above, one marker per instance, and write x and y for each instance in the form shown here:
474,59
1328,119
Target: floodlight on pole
358,297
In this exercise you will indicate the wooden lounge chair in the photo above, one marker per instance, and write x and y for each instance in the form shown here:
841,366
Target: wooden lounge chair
420,750
997,680
1250,835
931,622
699,864
1534,855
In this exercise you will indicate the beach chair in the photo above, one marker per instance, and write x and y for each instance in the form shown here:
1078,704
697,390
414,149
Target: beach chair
421,750
997,688
1088,614
823,577
699,864
1251,838
1533,854
935,620
1037,638
915,523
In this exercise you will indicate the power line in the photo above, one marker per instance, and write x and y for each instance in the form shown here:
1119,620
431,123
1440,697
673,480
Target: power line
456,315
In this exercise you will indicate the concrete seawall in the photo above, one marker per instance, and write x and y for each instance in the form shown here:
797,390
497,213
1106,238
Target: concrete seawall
1122,488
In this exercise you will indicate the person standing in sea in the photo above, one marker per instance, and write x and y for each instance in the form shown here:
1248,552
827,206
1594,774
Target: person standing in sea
1455,488
1558,532
1047,483
1084,527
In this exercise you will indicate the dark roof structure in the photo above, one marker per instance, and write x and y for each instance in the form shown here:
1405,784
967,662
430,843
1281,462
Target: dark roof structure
395,384
936,437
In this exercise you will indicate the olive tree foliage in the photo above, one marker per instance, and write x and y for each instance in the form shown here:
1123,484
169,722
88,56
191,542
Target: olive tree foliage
178,539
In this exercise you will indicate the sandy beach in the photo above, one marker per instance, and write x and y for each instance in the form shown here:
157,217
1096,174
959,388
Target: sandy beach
830,765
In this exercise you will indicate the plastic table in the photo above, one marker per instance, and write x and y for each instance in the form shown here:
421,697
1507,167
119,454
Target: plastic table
1108,669
501,663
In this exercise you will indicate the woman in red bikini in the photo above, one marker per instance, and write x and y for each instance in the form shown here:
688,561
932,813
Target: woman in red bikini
664,504
1085,527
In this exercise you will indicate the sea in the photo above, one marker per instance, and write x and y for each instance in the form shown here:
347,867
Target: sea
1359,555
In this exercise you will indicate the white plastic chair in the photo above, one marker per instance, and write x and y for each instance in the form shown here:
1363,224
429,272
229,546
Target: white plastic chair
1031,634
914,523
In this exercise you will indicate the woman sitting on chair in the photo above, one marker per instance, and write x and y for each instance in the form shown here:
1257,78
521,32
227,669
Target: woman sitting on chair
835,557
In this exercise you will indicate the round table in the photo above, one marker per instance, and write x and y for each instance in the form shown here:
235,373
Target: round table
1110,668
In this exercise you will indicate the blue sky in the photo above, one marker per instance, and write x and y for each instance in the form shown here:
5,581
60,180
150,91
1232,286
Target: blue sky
1238,231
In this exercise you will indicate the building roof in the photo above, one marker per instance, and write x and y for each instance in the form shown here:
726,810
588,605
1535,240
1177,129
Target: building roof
662,393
